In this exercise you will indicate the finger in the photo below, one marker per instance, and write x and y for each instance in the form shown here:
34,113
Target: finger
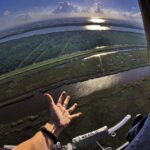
61,97
66,101
76,115
50,98
72,108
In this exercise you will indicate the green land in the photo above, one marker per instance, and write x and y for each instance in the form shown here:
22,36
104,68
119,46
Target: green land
50,61
100,108
61,59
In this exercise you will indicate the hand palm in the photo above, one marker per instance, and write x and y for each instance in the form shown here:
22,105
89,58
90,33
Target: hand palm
59,113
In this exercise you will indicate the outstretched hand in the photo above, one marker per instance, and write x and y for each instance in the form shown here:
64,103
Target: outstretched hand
61,116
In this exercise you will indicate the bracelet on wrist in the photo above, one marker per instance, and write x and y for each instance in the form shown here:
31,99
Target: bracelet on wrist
49,134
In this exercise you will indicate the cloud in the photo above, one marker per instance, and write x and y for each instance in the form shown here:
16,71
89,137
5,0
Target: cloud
66,7
123,15
6,13
96,8
131,14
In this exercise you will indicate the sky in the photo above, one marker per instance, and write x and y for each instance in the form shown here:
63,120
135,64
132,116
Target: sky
16,12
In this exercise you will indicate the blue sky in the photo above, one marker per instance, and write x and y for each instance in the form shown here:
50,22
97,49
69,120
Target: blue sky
22,5
125,5
14,12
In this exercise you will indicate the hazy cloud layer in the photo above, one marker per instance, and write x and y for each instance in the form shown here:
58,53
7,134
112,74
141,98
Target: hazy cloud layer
6,13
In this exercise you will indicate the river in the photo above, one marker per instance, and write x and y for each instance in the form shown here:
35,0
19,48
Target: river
85,88
37,103
71,28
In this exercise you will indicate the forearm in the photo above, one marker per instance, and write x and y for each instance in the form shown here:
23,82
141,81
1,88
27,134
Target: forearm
40,140
61,117
35,143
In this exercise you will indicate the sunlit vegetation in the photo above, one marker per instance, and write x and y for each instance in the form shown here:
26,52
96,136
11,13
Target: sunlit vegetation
26,51
53,74
40,63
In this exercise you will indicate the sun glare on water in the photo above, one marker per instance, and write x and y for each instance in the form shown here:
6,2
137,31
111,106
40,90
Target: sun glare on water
97,20
101,54
96,27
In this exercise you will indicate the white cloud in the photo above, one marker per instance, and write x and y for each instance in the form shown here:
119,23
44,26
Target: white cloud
66,7
123,15
96,8
6,13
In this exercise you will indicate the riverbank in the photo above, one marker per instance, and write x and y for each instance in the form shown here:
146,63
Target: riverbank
75,71
32,50
67,24
103,107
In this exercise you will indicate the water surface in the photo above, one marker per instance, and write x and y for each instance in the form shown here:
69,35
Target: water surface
38,103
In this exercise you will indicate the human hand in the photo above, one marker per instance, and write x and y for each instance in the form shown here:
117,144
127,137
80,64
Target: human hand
61,116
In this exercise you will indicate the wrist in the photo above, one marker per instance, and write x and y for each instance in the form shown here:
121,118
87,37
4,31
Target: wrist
53,128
